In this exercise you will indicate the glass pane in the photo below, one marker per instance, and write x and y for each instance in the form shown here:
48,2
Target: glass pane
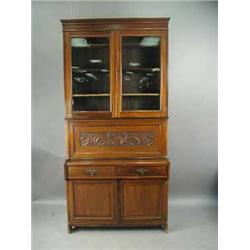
141,103
90,74
141,73
91,103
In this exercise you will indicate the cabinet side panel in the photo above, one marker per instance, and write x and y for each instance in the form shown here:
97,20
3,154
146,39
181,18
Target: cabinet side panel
67,74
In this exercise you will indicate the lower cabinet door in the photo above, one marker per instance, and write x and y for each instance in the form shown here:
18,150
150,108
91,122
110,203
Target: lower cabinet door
143,202
92,202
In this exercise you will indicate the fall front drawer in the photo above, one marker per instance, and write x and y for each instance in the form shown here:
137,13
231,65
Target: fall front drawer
121,138
79,172
142,171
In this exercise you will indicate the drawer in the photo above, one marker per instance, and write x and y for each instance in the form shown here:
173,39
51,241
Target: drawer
79,172
142,171
117,139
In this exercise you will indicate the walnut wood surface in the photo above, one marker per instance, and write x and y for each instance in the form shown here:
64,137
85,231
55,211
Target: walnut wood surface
141,201
115,24
80,172
142,171
116,171
147,138
93,201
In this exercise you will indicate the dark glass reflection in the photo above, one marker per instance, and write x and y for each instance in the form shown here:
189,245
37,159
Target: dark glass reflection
141,73
90,73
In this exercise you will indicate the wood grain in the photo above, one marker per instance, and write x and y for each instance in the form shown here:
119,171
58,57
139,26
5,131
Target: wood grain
93,201
141,201
157,147
115,24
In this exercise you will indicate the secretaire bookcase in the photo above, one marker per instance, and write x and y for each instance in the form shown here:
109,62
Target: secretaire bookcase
115,81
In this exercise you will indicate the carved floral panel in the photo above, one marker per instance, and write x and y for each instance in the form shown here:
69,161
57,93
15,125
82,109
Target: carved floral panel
116,138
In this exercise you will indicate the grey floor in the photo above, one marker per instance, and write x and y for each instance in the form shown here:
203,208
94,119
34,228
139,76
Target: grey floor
192,225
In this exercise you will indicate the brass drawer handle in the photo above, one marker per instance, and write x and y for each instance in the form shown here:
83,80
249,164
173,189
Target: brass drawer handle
141,171
91,172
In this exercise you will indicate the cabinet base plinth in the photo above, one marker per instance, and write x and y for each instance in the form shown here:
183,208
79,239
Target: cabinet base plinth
163,226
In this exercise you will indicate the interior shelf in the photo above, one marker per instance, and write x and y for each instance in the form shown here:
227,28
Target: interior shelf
97,45
141,94
90,95
143,69
79,70
137,45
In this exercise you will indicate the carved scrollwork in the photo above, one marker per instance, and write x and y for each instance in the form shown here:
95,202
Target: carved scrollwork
116,138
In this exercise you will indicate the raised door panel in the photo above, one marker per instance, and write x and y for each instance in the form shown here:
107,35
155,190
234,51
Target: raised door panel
92,202
142,74
111,139
142,201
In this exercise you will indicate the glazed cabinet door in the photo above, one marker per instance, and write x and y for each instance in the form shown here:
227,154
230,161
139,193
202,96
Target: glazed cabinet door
92,202
143,201
142,73
89,63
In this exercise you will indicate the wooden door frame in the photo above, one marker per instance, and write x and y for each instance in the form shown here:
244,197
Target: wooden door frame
68,75
163,34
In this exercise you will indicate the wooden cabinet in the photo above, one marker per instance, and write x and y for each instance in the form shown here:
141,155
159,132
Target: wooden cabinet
115,81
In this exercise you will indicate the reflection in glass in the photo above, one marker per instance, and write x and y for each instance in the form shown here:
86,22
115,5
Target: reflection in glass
141,103
91,103
141,73
90,73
